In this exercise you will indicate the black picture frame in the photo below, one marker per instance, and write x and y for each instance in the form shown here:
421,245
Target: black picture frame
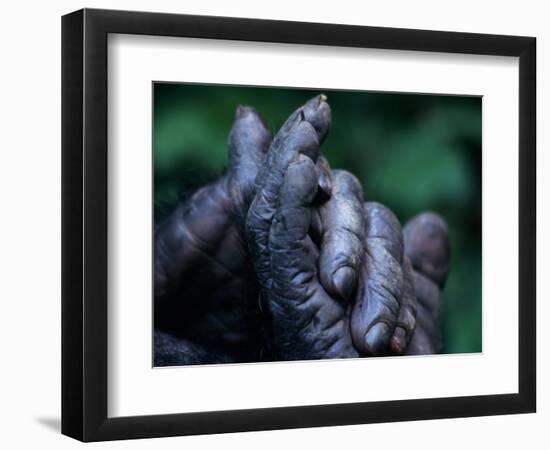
84,224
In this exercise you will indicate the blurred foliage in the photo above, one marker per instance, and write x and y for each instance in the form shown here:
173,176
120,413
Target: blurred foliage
410,152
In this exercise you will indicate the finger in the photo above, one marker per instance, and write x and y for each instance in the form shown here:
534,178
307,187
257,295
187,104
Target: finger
317,112
307,323
324,192
429,297
420,344
296,136
192,237
426,238
293,260
406,320
249,141
427,318
375,313
263,206
343,237
324,177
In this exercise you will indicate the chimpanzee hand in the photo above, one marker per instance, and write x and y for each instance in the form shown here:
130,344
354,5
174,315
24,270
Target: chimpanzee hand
415,328
307,321
205,286
199,249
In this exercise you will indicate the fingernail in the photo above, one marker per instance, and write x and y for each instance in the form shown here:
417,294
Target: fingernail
397,343
323,98
344,281
377,338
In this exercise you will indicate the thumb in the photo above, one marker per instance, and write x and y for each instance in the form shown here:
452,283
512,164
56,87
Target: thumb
248,143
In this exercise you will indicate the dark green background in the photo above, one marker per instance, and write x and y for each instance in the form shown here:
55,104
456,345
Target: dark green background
410,152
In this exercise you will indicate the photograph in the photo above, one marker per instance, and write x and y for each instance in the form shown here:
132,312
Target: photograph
295,224
275,225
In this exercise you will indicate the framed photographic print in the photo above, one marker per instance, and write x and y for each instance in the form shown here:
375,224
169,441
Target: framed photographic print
273,224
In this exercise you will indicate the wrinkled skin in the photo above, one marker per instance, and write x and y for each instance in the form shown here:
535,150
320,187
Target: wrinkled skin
427,245
205,286
281,259
206,290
